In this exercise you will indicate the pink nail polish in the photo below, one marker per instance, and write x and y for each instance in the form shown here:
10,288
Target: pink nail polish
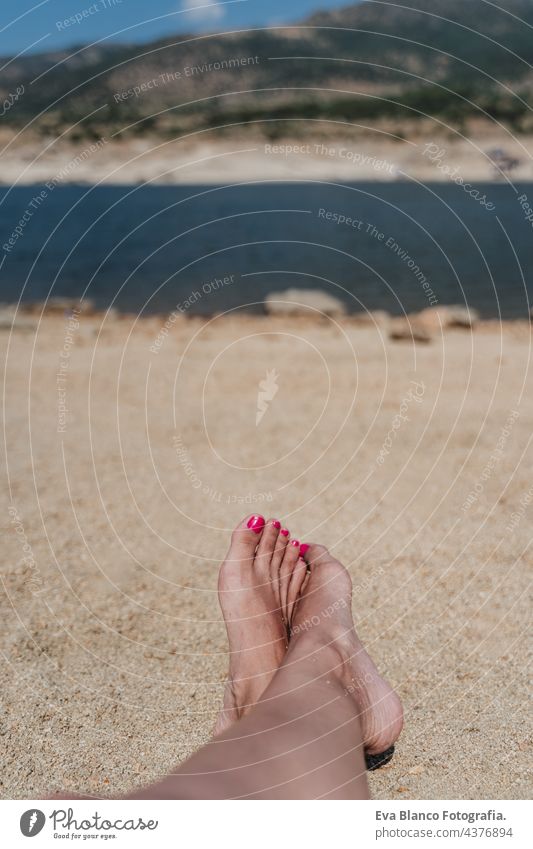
256,524
285,532
295,542
304,548
276,524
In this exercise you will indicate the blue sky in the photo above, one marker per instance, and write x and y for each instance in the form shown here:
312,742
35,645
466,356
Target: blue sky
39,25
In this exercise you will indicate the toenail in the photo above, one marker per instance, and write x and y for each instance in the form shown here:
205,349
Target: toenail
256,524
304,548
295,542
276,524
285,532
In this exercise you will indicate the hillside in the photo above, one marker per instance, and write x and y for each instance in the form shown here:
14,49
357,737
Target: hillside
452,59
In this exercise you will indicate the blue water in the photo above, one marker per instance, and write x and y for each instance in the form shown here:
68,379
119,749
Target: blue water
147,248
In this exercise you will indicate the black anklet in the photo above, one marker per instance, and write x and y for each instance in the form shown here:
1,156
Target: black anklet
376,761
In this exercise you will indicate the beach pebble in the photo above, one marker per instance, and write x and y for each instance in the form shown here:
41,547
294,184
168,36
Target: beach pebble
411,329
416,770
462,316
448,316
303,302
10,319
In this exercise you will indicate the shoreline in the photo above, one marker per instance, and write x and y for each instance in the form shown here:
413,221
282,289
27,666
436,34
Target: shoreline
482,157
440,316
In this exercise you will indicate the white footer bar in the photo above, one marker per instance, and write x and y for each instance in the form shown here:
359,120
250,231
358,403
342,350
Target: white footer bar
266,825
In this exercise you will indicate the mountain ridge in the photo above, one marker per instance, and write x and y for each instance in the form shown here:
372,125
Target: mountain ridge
370,59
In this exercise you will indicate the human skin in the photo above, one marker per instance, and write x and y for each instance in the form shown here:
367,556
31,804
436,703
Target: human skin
304,701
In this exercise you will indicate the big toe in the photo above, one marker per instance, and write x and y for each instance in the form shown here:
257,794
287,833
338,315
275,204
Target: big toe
315,554
325,569
245,538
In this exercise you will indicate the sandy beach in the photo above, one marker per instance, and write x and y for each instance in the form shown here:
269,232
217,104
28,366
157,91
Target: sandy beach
128,467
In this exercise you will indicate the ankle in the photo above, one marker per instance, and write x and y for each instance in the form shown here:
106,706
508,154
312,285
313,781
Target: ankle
323,655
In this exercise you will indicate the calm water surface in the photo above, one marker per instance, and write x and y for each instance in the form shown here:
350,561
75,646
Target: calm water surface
149,248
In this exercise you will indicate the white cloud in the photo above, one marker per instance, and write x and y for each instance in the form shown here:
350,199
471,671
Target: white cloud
203,11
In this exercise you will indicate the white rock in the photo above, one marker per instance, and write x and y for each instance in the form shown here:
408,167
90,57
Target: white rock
10,319
307,302
459,316
455,315
410,329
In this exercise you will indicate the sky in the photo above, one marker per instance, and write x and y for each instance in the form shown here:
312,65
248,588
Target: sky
33,26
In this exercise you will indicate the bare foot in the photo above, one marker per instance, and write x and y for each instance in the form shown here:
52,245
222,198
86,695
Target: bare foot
258,586
323,616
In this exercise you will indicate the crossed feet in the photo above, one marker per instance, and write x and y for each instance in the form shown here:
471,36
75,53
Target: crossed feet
275,594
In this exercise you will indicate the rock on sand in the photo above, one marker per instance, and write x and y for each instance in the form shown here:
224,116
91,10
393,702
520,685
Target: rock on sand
11,319
410,329
455,315
303,302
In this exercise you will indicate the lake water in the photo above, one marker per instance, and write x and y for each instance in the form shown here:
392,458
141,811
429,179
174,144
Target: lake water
149,248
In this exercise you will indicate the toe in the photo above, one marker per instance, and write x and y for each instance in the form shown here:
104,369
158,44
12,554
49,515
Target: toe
276,561
325,569
290,559
279,552
314,554
245,538
295,586
267,546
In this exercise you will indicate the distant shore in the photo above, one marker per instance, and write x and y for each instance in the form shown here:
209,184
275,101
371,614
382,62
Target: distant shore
488,155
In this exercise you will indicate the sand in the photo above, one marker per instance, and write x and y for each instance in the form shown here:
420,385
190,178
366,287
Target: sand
113,648
385,154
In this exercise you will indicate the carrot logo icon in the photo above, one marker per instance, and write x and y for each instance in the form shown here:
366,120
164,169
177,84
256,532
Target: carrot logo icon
268,388
32,822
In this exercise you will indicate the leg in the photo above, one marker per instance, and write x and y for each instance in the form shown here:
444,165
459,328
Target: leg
302,740
306,735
